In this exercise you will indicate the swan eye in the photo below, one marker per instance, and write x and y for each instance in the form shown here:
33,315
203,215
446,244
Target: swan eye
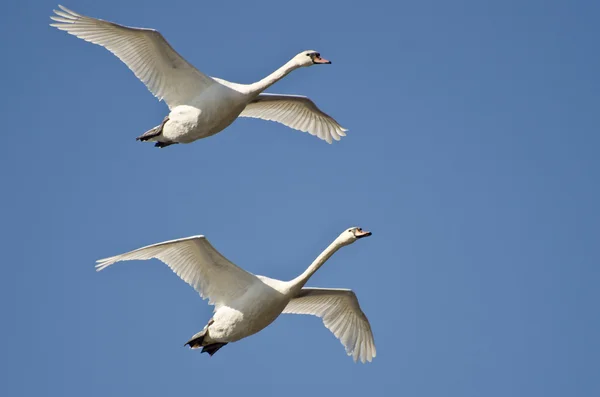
318,55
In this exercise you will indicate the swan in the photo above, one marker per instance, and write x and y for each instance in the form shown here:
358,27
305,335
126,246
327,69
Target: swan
246,303
200,106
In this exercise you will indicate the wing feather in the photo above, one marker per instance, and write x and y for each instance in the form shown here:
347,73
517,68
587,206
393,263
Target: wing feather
145,51
197,263
342,315
297,112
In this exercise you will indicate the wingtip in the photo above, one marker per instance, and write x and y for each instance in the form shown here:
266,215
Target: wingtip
102,264
67,10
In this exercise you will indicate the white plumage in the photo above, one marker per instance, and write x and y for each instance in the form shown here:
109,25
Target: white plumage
197,263
297,112
341,314
200,106
246,303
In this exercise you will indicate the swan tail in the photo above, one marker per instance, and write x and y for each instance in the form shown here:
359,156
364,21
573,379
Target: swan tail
154,133
150,134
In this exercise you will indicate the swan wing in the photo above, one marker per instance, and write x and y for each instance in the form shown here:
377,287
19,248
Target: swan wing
197,263
297,112
341,314
145,51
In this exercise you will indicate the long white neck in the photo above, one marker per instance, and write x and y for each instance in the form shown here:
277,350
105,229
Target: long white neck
274,77
301,280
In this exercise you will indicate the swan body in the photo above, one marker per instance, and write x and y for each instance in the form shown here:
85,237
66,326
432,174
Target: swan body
246,303
200,106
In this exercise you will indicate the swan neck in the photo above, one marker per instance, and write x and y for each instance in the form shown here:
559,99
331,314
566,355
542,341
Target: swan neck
301,280
274,77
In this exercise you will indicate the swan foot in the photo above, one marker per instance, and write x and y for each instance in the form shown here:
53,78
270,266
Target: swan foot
164,144
213,348
154,132
196,341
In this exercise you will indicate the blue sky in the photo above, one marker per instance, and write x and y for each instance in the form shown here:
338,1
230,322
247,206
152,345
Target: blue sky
471,155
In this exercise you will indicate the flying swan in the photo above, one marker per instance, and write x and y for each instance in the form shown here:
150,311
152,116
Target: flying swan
199,105
246,303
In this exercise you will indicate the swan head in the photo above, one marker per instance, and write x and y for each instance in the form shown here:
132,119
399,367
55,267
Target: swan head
309,58
352,234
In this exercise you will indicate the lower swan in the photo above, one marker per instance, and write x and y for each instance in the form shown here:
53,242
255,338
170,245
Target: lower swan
246,303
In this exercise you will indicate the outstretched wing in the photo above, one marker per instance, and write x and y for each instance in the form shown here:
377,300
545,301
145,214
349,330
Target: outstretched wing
145,51
197,263
297,112
342,315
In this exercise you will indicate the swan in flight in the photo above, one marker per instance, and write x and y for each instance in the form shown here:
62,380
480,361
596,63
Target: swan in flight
199,105
246,303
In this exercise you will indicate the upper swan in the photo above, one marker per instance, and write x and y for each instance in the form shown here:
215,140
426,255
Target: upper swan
200,106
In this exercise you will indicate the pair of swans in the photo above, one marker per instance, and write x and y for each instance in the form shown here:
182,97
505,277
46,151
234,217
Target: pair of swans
246,303
199,105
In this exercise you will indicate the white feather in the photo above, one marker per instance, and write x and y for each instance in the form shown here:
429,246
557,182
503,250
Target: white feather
341,314
297,112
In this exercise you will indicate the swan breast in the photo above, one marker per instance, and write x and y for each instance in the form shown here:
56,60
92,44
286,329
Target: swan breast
249,314
209,113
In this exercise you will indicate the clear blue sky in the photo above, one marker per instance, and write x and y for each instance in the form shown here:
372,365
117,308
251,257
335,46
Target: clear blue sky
472,156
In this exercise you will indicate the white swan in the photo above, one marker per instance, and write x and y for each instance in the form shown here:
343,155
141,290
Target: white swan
200,106
246,303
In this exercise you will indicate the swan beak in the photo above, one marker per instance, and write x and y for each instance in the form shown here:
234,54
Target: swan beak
362,233
321,60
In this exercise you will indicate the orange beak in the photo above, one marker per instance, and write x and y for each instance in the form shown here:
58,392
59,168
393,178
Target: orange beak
321,60
362,233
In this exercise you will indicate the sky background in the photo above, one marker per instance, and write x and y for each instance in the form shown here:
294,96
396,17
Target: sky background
472,156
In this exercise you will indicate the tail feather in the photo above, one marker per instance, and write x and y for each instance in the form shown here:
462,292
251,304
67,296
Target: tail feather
152,133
